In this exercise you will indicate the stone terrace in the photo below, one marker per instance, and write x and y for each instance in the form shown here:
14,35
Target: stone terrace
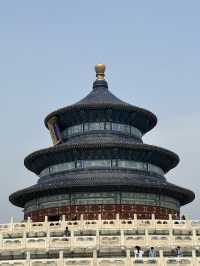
99,242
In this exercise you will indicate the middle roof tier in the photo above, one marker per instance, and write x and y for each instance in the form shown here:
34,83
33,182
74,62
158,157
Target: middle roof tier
42,159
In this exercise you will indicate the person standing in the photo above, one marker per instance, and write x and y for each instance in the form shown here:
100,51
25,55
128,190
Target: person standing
152,252
138,252
66,233
141,252
179,252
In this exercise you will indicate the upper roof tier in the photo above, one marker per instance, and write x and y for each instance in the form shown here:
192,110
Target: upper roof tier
107,107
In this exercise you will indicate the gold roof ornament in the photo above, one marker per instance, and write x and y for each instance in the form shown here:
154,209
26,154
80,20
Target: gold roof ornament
100,70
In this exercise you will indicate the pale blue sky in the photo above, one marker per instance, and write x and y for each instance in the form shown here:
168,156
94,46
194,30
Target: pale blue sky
47,53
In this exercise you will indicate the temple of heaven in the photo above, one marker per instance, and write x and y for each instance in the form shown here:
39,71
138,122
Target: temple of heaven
99,165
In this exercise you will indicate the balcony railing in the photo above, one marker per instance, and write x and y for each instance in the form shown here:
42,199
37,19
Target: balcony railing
96,261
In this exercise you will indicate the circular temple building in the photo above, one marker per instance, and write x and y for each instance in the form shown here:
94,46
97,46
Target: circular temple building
99,164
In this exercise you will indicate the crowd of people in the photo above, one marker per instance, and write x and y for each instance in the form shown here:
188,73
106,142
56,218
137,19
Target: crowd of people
138,252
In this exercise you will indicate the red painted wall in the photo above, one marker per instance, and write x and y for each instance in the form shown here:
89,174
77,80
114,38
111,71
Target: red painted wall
107,211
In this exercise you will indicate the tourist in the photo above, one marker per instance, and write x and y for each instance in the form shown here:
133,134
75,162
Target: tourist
152,252
141,252
138,253
183,217
179,252
66,233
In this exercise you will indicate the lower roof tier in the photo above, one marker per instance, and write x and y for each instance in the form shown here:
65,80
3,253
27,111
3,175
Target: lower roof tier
101,198
102,181
62,153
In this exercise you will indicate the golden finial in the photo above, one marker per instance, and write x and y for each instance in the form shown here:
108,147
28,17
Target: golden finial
100,69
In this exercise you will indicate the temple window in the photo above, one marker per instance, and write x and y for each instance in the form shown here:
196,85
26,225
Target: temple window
81,164
101,126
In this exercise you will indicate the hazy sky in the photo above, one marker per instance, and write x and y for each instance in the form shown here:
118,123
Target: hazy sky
48,50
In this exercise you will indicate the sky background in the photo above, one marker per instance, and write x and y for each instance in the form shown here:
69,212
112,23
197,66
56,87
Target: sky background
48,50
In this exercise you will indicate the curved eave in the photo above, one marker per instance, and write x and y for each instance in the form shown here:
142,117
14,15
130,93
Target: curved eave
184,196
41,159
146,119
